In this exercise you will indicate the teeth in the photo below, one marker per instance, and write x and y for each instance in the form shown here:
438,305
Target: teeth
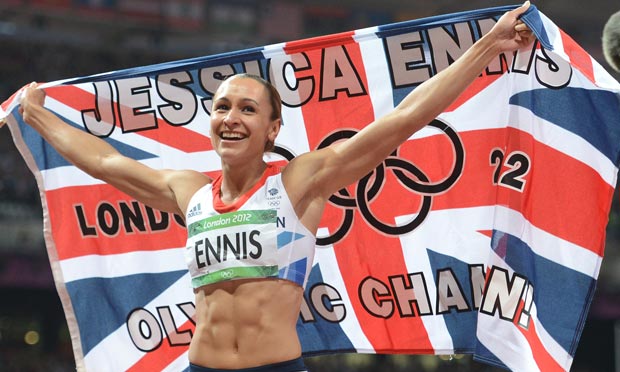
231,135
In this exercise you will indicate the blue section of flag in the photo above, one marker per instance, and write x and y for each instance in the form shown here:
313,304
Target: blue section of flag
461,325
103,303
597,122
443,20
485,355
319,334
47,158
532,19
561,295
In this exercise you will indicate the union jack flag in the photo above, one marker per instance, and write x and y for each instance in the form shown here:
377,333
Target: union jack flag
482,234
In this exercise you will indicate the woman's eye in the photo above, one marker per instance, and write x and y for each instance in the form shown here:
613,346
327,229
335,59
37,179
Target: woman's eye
249,109
221,107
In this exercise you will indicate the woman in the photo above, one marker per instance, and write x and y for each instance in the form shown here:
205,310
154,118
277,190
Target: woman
249,323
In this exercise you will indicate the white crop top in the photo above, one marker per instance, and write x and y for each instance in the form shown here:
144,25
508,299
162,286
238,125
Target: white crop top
260,236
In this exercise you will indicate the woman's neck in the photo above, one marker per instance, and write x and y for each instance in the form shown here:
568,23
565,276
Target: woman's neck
237,180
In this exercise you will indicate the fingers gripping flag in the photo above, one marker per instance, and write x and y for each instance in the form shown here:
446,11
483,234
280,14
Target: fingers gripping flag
482,234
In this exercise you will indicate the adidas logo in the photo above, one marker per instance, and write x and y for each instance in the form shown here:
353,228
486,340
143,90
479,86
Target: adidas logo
195,211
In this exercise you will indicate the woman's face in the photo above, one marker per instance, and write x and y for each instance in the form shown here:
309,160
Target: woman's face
241,121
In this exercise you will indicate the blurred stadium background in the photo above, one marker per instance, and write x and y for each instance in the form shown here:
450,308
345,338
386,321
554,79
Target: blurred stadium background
46,40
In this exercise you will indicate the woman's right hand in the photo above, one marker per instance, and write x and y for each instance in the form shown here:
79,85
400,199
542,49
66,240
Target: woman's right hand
32,98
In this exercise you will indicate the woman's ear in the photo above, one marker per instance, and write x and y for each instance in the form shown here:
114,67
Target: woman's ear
274,129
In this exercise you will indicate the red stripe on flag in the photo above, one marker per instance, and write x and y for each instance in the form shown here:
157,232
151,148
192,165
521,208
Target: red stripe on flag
561,195
324,117
377,256
89,220
159,359
578,57
319,42
543,359
567,198
177,137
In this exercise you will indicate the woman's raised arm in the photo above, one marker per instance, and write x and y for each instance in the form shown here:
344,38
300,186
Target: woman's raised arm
166,190
345,162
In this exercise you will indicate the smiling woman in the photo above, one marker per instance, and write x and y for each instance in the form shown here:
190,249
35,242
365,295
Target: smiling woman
248,284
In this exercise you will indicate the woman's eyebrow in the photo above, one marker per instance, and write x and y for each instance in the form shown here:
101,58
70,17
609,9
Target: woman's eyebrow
251,100
224,98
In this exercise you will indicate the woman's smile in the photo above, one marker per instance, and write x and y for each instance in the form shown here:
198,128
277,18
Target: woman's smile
232,136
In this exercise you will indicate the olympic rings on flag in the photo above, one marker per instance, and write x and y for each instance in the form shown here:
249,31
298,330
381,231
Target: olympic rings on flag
368,187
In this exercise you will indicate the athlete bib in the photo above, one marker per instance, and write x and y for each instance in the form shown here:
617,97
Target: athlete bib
234,245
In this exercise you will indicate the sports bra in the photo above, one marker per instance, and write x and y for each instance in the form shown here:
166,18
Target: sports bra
259,236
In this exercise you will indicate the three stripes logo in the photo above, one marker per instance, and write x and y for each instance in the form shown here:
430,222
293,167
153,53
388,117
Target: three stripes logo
195,211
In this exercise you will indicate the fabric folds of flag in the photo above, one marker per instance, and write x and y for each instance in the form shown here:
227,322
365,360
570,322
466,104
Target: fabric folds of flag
482,234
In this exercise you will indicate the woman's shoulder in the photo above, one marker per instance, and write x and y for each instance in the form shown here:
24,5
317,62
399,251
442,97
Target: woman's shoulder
189,177
185,183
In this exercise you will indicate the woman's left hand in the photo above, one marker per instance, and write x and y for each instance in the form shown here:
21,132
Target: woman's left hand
510,32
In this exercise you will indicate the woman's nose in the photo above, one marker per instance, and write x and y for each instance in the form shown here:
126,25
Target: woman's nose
231,117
